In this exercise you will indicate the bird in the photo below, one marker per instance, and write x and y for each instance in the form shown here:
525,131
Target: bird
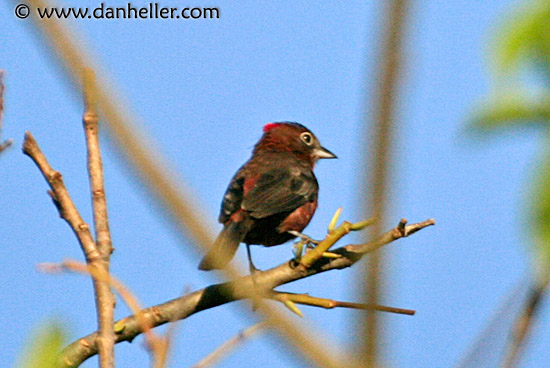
272,197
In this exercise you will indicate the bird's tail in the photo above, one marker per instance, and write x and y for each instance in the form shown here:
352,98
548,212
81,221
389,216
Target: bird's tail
224,248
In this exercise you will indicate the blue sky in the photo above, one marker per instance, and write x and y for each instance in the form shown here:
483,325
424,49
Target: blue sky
203,90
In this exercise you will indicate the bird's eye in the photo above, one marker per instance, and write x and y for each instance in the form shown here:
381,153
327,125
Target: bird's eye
307,138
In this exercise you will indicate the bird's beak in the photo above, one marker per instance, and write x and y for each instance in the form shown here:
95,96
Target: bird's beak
322,152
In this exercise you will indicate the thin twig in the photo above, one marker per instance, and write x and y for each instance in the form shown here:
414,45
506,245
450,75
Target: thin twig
382,148
125,294
402,230
69,212
164,343
105,300
162,347
332,237
230,344
1,96
62,200
95,166
307,299
241,288
7,143
524,323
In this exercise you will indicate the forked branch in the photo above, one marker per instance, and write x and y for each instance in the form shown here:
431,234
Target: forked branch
223,293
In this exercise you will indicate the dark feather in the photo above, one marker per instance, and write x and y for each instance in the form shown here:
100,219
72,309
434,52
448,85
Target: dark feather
280,190
225,246
232,198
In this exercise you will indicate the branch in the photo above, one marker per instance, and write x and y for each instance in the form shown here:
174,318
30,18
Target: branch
105,300
224,348
524,323
333,236
307,299
154,342
5,144
381,150
95,166
61,198
68,211
244,287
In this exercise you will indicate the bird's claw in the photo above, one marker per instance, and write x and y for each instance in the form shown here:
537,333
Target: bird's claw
306,239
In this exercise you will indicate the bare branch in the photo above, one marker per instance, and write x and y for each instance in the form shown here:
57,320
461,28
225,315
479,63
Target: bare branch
105,300
223,349
126,295
244,287
152,340
333,236
381,148
62,200
402,230
95,166
524,322
5,144
307,299
68,211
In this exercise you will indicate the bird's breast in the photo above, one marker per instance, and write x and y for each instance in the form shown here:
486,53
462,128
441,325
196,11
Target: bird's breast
298,219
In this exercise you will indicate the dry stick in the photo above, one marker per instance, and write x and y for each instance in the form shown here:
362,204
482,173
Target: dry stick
155,344
95,165
224,348
62,200
180,205
219,294
125,294
105,300
68,211
5,144
162,347
524,322
312,301
163,344
378,188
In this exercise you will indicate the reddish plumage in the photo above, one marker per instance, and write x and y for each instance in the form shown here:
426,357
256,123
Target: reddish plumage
269,126
273,193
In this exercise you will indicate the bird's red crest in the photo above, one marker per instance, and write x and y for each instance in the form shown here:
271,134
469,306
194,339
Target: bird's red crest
270,126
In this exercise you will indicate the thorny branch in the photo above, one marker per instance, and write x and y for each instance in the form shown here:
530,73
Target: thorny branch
219,294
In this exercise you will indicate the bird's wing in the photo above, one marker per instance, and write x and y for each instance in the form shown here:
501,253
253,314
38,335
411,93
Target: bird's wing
279,190
233,197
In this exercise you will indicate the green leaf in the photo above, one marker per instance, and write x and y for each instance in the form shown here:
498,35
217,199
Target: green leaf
541,215
509,110
525,35
42,349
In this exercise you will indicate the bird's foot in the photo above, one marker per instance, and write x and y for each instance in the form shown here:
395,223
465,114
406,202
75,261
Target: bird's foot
306,239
